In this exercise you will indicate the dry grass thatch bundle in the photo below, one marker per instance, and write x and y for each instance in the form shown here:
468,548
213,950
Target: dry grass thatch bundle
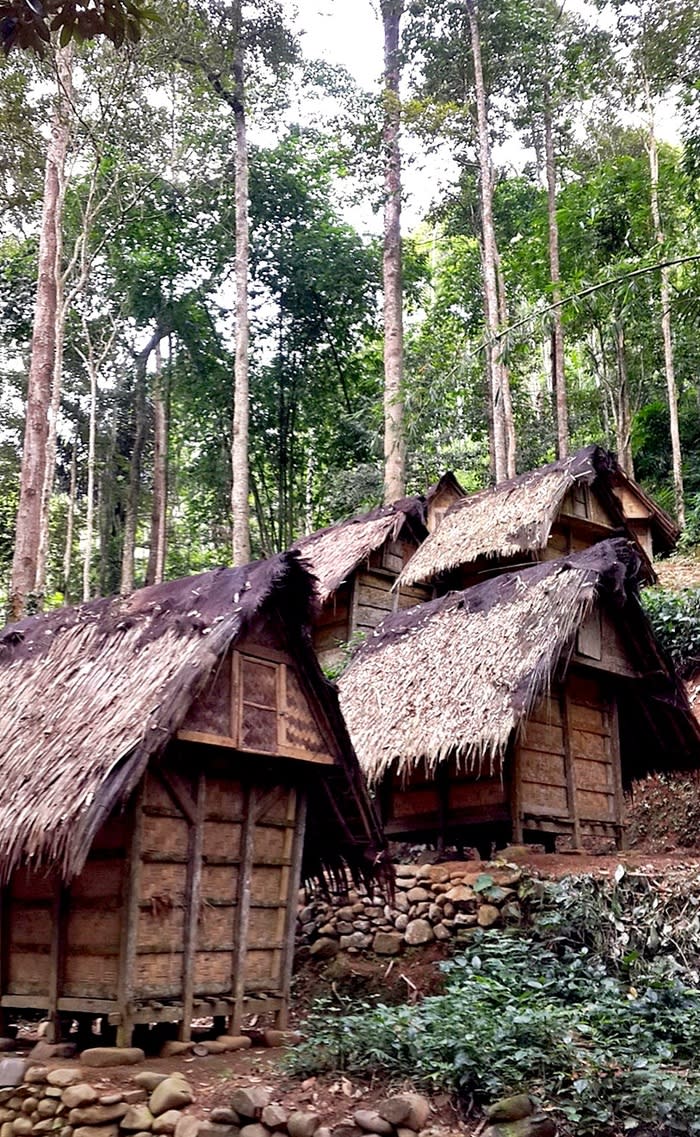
90,694
516,516
334,553
459,675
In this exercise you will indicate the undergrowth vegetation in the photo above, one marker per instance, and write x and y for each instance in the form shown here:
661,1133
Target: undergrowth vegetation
675,618
591,1010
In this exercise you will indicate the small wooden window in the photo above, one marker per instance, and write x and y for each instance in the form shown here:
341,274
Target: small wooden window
580,500
259,703
589,641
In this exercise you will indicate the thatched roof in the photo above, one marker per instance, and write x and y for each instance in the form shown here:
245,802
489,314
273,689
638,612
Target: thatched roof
91,694
516,516
335,552
458,676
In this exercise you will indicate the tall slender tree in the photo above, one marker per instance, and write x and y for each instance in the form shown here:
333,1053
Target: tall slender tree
394,447
241,409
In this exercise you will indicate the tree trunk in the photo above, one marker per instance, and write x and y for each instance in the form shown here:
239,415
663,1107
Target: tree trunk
70,524
41,371
665,296
126,584
504,459
394,449
239,448
623,413
159,511
90,511
558,372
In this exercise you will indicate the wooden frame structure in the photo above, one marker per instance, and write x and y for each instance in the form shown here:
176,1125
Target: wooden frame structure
183,904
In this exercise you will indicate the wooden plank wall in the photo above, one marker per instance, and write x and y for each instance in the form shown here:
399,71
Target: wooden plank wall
449,799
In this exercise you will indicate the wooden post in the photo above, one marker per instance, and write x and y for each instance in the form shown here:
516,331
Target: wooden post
569,767
5,908
59,917
517,796
131,895
192,908
290,919
442,784
245,879
616,755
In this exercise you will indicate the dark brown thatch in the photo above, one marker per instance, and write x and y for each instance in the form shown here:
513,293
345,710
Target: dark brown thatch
516,517
335,552
91,694
459,675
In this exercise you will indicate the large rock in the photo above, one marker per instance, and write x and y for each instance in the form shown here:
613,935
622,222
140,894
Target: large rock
188,1126
513,1108
77,1096
255,1129
250,1102
418,895
460,894
137,1118
373,1122
12,1071
173,1049
274,1116
539,1125
488,915
173,1093
235,1041
96,1131
275,1038
149,1079
65,1076
223,1116
302,1123
22,1126
418,932
324,948
97,1114
36,1075
408,1110
112,1056
167,1122
388,943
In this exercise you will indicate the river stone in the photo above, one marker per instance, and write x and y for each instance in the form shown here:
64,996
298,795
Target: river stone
36,1074
460,894
149,1079
212,1129
173,1093
47,1107
64,1077
250,1102
387,943
134,1097
409,1110
79,1095
418,932
167,1122
96,1131
441,932
488,915
274,1116
417,895
539,1125
223,1116
513,1108
48,1125
29,1105
372,1122
302,1123
67,1131
405,870
255,1129
97,1114
110,1099
276,1038
12,1071
137,1117
173,1049
22,1126
324,948
188,1126
112,1056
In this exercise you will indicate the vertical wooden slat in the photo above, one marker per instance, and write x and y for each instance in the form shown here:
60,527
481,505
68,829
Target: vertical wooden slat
59,920
5,910
569,766
283,894
517,795
245,879
131,895
354,604
192,907
614,722
290,924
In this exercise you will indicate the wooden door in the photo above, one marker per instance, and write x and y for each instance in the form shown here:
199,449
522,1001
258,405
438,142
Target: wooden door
595,752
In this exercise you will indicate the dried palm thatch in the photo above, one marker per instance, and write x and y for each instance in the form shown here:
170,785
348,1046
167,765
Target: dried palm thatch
91,694
516,517
458,676
334,553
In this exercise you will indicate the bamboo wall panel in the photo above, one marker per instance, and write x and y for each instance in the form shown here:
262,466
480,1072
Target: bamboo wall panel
300,729
31,898
212,710
592,748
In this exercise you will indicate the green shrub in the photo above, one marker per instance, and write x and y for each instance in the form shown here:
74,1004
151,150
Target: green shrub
675,618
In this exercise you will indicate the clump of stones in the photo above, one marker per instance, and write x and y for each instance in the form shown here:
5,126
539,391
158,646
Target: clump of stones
432,903
63,1102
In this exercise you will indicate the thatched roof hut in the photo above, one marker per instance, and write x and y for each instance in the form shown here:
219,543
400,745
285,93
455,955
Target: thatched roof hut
91,694
518,519
456,682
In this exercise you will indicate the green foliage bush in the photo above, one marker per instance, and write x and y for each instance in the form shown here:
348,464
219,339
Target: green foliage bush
675,618
517,1014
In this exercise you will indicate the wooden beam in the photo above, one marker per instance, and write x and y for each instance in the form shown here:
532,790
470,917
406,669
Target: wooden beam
131,894
242,919
293,881
192,908
5,906
180,794
616,752
59,918
569,767
517,795
206,739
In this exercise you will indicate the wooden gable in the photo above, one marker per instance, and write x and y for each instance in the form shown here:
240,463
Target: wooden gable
259,703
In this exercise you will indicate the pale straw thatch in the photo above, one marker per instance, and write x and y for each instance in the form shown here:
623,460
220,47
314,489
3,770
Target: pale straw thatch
515,518
458,676
91,694
334,553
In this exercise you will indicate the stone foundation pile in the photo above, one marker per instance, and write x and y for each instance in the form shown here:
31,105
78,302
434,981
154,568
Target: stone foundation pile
432,903
253,1113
